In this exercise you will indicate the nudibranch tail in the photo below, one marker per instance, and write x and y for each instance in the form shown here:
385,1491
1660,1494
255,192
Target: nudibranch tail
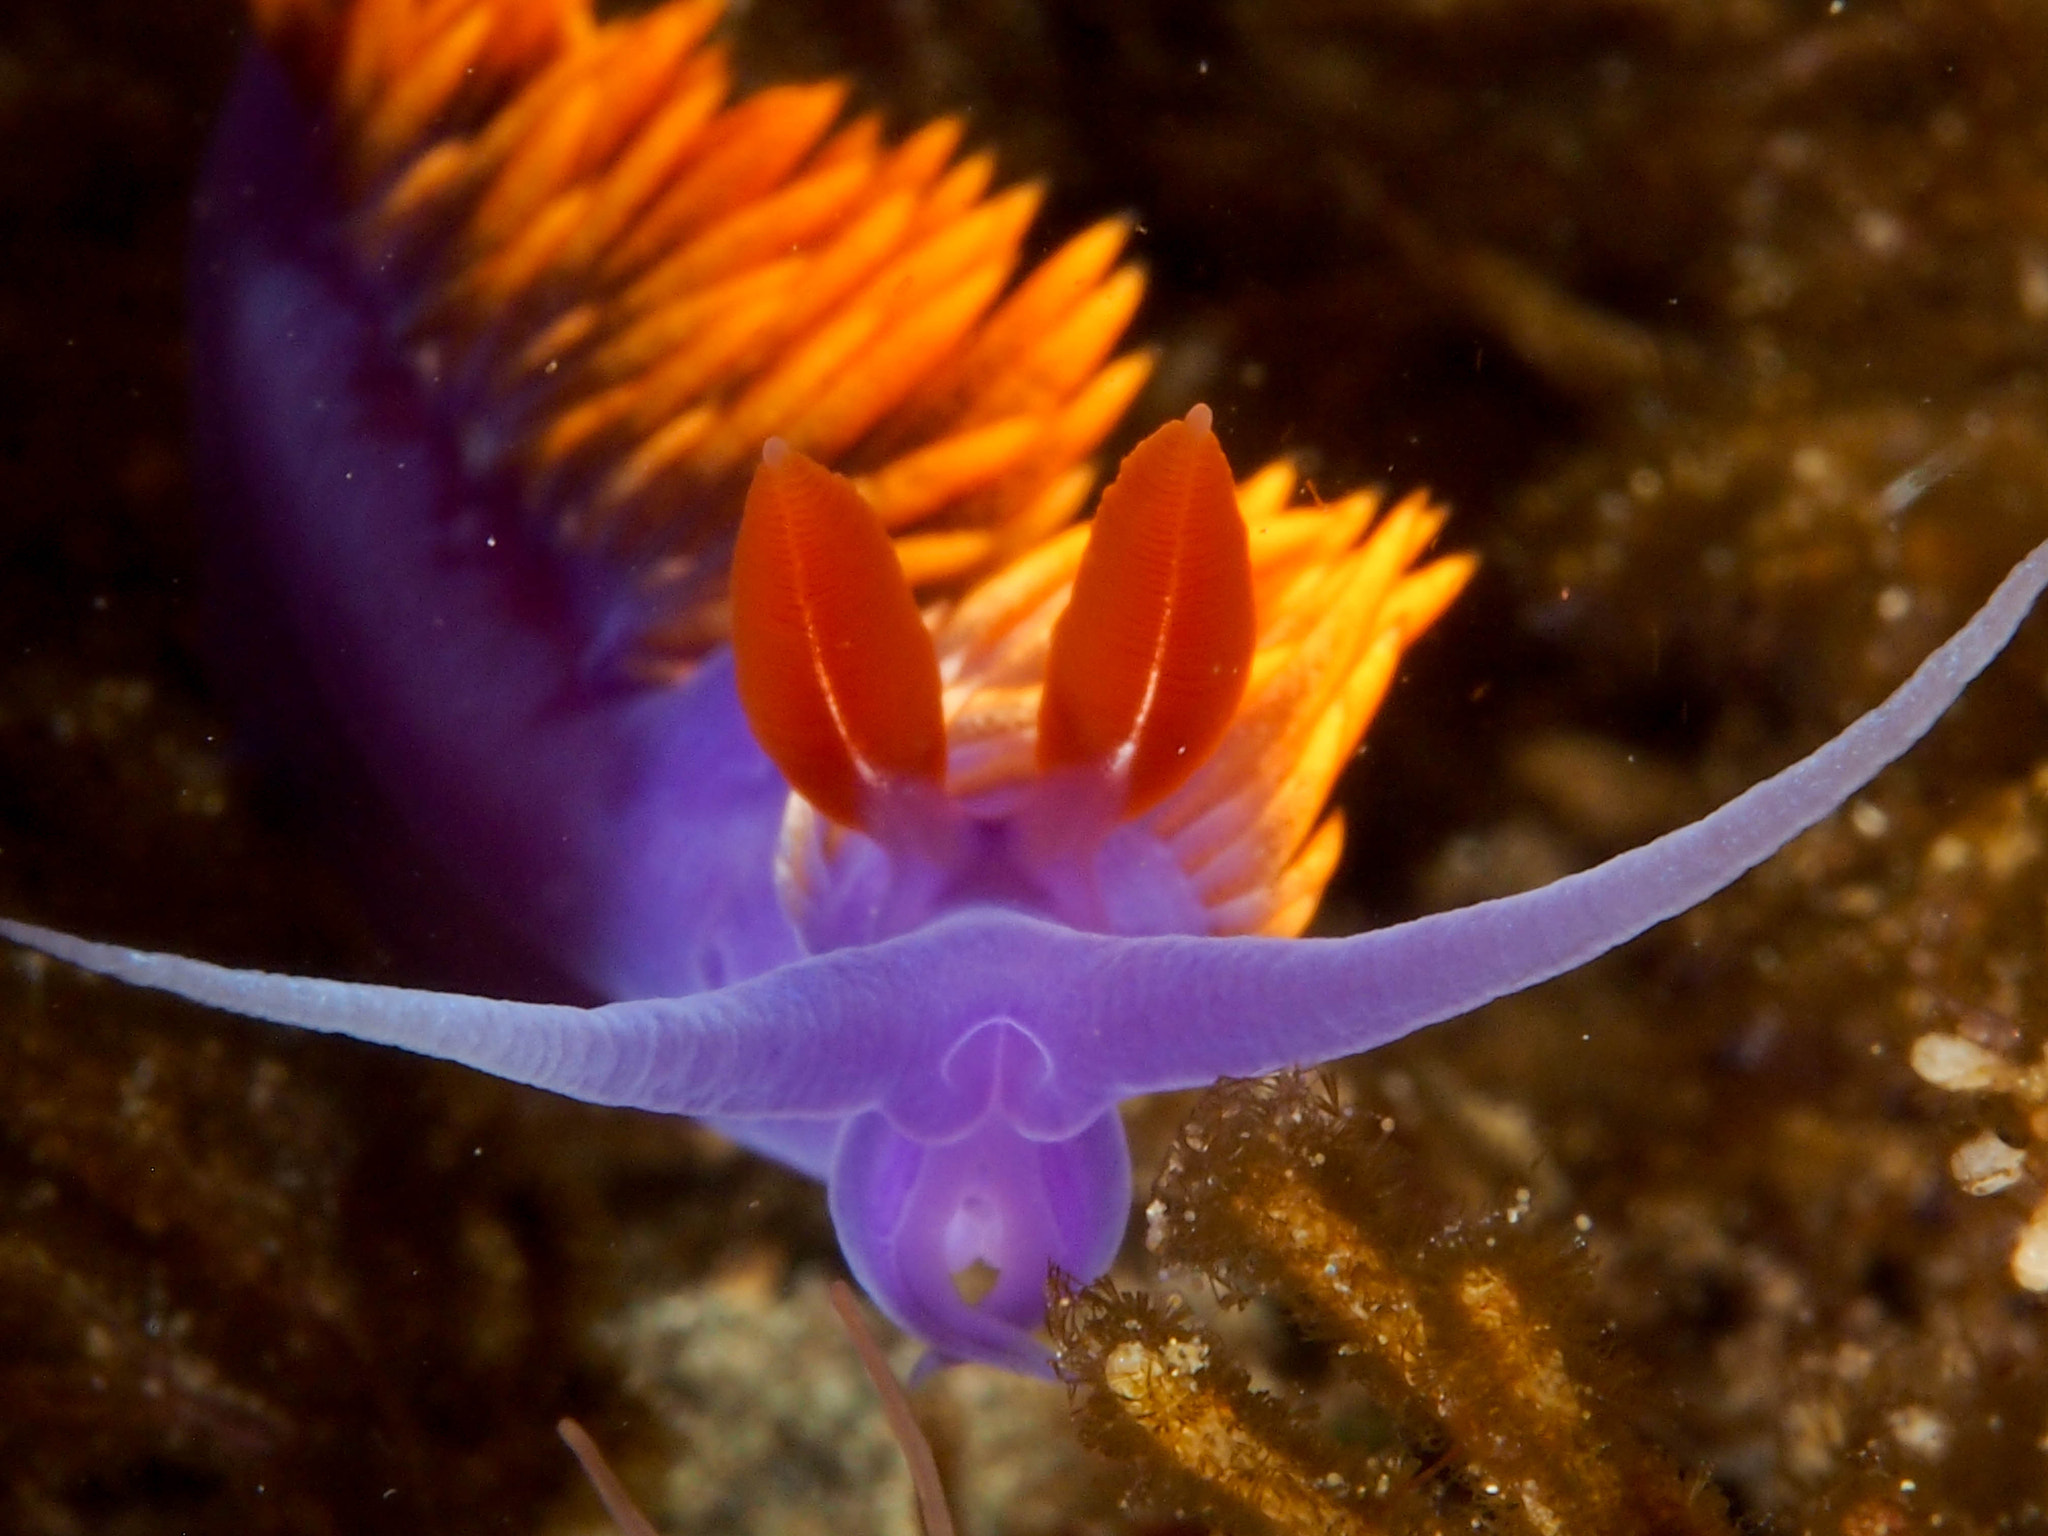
616,286
834,664
1147,665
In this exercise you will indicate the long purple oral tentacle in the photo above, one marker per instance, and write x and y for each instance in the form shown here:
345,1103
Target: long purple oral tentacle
1176,1013
790,1044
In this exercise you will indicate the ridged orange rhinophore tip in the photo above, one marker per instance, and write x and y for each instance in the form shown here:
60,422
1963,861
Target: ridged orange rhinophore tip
835,667
1150,659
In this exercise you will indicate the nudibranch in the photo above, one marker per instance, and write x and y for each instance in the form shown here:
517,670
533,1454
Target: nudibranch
674,503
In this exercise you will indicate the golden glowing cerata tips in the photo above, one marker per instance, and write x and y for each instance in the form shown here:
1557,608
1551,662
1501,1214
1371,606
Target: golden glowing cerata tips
622,284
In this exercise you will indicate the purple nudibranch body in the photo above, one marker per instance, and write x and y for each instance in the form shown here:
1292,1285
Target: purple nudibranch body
956,1080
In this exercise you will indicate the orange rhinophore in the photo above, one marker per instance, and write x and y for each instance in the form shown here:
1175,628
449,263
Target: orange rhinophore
1211,653
834,665
1149,661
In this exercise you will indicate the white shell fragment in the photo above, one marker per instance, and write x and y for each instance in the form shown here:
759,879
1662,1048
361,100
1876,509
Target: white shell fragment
1959,1065
1986,1164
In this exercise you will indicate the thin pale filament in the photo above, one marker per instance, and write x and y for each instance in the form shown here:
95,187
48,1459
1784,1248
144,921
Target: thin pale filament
917,1451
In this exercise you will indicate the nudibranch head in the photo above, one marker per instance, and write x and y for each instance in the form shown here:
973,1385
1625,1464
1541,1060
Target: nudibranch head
1130,730
1142,718
615,286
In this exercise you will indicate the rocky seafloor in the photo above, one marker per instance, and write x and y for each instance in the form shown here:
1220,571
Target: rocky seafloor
1721,323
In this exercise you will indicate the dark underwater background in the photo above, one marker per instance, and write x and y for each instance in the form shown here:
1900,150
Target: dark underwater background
1722,326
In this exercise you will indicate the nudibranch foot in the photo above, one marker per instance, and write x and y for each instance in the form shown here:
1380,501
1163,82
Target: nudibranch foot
956,1238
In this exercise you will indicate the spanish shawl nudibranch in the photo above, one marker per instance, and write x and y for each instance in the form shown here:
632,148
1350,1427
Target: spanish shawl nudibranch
521,359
